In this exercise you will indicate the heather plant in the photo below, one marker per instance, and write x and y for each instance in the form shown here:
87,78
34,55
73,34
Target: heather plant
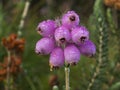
65,41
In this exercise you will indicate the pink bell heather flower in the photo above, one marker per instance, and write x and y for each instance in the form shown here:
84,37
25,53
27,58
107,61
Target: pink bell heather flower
44,46
72,54
47,28
70,19
64,40
56,58
80,34
88,48
62,35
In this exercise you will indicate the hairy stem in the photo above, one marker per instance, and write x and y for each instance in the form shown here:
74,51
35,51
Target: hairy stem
102,59
99,62
67,85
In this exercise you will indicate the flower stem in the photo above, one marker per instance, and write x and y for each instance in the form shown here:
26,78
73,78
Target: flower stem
8,72
55,87
67,85
115,17
24,14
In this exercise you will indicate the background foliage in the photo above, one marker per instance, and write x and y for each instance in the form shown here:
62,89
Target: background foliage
98,73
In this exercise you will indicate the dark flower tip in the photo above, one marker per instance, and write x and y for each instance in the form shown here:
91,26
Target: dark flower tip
71,64
82,39
72,18
39,52
62,40
53,67
39,30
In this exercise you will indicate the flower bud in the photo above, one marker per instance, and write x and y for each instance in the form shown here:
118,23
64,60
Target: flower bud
70,19
72,54
44,46
62,35
47,28
88,48
79,35
56,58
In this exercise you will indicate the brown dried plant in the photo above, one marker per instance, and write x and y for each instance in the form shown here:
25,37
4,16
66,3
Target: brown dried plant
113,3
15,46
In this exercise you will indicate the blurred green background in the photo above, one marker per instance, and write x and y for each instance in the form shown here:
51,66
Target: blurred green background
101,21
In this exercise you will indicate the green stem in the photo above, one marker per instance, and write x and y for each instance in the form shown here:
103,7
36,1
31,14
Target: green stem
67,83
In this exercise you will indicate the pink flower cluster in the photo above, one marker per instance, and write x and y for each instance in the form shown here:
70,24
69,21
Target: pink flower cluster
65,40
